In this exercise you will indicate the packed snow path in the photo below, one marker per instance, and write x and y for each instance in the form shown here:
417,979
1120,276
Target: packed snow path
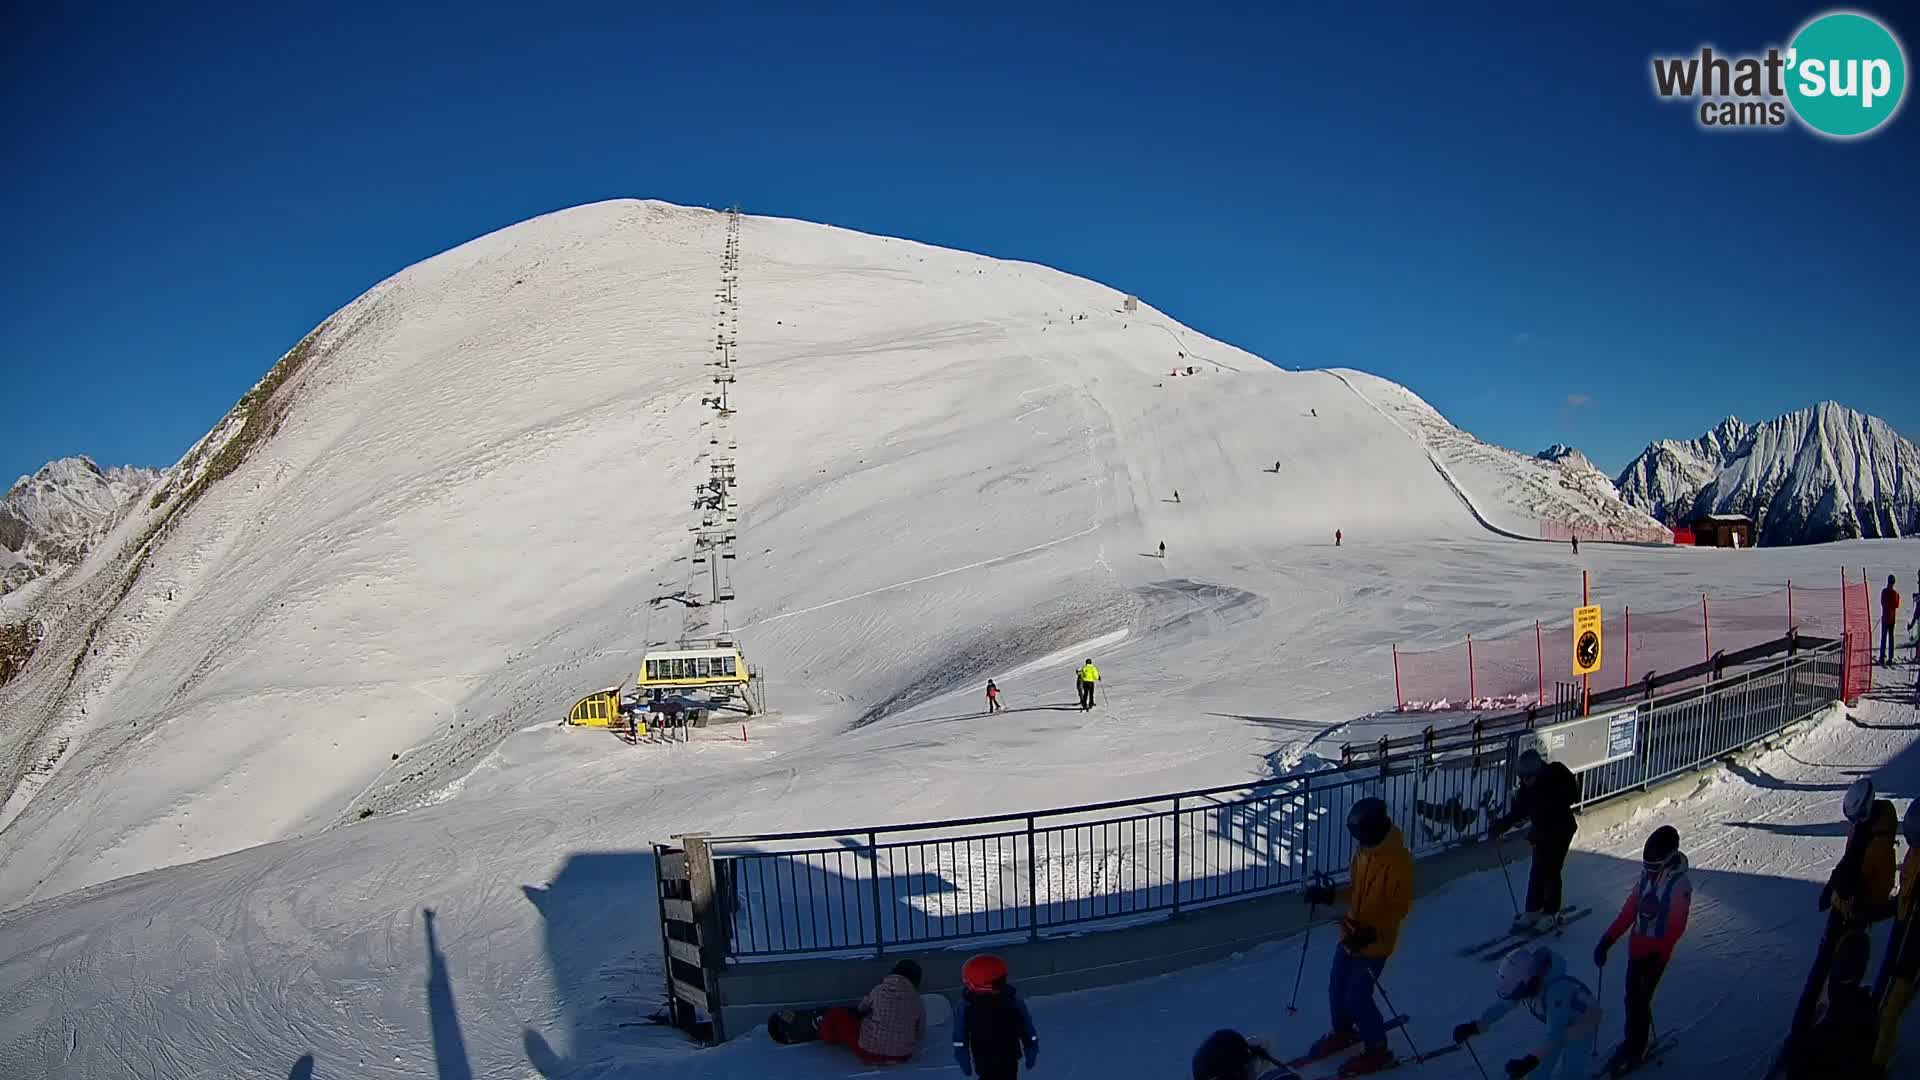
318,947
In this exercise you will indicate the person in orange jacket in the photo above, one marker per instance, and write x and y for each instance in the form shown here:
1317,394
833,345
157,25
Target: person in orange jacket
1378,900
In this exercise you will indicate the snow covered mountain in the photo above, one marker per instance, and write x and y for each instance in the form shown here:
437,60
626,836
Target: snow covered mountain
1820,474
464,500
48,521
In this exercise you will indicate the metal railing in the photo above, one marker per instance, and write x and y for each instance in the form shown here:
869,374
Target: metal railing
1020,876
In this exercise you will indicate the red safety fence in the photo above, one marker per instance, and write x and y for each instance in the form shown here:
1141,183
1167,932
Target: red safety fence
1564,531
1856,674
1517,670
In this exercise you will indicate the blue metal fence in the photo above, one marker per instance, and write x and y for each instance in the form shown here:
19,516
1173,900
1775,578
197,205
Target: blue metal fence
1019,876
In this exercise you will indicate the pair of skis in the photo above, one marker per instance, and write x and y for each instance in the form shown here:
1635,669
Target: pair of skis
1340,1058
1656,1050
1496,947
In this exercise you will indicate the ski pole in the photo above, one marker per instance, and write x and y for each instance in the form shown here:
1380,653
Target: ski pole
1512,897
1475,1054
1599,994
1391,1011
1305,939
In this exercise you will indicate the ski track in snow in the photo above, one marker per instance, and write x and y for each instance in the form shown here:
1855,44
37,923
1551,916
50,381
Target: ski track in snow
371,584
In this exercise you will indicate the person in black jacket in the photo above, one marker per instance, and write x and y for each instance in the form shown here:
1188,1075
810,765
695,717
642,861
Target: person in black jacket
1840,1044
993,1030
1548,791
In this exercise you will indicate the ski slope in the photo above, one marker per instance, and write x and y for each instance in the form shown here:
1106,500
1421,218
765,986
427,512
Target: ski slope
471,495
317,946
470,491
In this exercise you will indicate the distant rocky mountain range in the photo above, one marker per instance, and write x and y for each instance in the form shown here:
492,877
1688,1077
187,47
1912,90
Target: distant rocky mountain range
1819,474
48,521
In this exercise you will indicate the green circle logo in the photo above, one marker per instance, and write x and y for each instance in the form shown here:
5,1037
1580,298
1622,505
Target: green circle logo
1846,74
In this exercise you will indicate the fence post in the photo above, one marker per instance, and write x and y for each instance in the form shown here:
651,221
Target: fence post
1866,605
1789,607
1399,699
1033,893
1176,847
1706,628
1626,661
1471,695
706,917
1539,665
879,933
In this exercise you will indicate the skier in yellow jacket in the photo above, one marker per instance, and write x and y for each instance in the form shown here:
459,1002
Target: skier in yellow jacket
1378,901
1903,944
1089,676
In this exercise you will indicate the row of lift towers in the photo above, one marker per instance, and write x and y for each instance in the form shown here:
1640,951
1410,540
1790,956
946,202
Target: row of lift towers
706,637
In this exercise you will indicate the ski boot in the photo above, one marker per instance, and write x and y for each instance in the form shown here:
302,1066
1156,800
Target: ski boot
1622,1061
1371,1060
1328,1045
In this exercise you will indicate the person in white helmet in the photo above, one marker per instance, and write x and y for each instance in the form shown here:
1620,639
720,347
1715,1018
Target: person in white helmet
1536,976
1857,892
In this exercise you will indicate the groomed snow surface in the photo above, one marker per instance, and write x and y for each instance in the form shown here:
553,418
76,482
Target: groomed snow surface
951,469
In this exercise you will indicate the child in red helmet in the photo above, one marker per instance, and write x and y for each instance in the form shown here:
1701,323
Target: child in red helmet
992,1030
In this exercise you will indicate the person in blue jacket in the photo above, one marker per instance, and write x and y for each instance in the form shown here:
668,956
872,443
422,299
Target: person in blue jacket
992,1031
1537,977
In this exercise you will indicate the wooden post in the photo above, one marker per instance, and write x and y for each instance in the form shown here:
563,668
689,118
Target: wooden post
706,918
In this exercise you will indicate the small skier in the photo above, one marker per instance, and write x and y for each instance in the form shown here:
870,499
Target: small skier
1163,549
1840,1044
1656,911
1379,898
1176,495
1228,1055
1536,976
1889,618
992,1029
1313,412
890,1023
1336,538
993,697
1547,793
1576,545
1276,466
1901,968
1088,679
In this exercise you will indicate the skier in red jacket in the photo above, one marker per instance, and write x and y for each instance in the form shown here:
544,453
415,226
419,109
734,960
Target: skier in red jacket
1656,910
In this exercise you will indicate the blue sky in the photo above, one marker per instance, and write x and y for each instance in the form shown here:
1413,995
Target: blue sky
1493,209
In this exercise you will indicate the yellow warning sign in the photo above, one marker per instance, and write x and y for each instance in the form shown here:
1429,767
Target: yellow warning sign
1586,640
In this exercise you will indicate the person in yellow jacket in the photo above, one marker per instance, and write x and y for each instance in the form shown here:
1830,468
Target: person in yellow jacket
1903,944
1378,901
1089,676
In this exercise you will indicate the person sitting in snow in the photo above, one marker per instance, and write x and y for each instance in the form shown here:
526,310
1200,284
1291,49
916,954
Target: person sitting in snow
1228,1055
1536,976
890,1023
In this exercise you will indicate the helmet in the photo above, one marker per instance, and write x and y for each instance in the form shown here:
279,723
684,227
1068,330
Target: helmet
1850,960
1910,827
1661,846
910,969
1519,976
1529,763
1367,820
1859,801
1224,1055
984,974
